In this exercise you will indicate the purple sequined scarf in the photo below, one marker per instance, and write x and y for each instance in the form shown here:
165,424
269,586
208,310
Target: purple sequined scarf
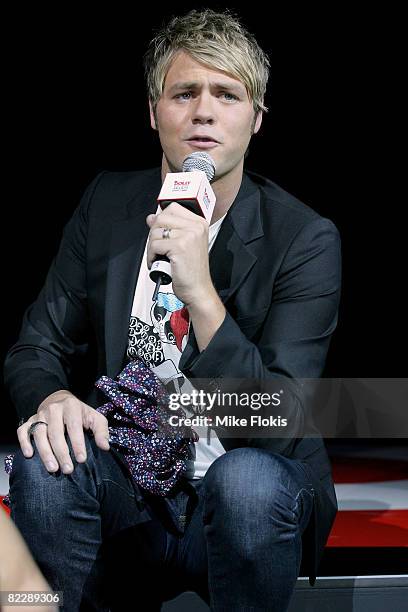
138,417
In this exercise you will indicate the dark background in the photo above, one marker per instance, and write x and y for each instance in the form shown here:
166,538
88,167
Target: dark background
76,104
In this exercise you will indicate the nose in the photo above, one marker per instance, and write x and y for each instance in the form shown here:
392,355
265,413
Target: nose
203,109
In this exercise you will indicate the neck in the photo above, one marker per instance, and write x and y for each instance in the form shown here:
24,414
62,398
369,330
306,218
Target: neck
225,187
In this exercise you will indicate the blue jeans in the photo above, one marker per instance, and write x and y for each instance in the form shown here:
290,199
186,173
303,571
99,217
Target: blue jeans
233,537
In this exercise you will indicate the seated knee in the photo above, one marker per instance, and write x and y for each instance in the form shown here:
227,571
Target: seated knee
249,482
32,469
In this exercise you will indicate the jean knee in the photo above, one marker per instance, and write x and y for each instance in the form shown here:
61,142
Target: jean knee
231,478
31,472
254,482
29,469
240,467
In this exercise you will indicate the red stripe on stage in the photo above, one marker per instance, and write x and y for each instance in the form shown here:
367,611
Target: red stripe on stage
370,528
349,470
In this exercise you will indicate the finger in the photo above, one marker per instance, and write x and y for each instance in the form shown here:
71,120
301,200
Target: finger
157,233
178,211
58,443
44,449
150,219
175,215
159,247
98,423
24,439
75,432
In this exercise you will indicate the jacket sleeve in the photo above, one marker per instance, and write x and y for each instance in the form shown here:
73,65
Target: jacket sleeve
55,327
296,333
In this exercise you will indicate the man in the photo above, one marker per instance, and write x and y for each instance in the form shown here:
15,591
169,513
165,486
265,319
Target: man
262,305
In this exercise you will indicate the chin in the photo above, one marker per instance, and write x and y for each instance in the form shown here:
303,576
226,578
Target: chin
171,165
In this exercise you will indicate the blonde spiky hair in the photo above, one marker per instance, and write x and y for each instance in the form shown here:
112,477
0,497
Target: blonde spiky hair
217,40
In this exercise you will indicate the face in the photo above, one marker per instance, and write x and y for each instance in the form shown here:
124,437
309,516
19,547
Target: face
202,109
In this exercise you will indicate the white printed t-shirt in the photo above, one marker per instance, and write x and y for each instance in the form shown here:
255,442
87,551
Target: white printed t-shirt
158,333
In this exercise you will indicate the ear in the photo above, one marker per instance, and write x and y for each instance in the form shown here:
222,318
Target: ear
258,122
152,117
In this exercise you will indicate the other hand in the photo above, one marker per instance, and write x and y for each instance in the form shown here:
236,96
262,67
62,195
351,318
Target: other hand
59,410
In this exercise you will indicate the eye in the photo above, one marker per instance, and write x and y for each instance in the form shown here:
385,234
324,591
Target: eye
185,95
229,97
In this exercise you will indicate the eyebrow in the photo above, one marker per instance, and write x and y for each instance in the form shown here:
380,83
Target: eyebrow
238,88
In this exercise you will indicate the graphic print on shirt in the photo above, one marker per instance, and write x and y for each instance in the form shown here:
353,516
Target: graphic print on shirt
158,334
160,341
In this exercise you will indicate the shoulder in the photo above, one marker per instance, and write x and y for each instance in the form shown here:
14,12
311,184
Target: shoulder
116,194
283,213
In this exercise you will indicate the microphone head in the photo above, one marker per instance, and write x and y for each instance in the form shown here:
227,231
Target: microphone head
199,160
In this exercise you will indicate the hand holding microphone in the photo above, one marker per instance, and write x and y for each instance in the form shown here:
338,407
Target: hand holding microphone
178,244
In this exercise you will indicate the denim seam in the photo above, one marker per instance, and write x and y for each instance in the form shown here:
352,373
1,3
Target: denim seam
310,492
118,485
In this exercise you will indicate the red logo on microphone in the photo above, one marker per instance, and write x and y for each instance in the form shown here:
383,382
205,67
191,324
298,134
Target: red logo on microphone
180,185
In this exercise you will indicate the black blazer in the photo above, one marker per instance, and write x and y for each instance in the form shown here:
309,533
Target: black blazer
275,265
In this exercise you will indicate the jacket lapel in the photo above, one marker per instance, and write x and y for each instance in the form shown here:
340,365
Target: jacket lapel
233,254
128,240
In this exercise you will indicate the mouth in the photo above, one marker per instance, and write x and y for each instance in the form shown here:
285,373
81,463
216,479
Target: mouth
205,142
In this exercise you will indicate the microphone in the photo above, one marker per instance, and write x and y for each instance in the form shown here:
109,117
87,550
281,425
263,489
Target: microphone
191,188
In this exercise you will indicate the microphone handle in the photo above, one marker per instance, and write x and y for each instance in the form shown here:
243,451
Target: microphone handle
160,273
157,288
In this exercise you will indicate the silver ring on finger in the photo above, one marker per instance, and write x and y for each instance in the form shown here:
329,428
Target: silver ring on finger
32,427
166,232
